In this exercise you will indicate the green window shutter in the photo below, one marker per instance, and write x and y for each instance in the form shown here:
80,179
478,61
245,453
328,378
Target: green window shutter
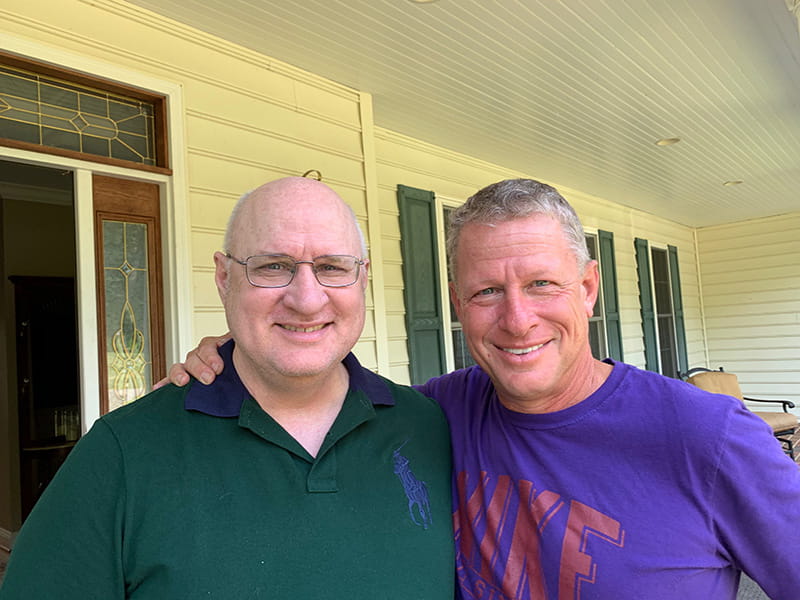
424,323
608,279
677,307
646,304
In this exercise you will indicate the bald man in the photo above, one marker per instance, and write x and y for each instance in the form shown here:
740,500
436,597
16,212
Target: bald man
297,474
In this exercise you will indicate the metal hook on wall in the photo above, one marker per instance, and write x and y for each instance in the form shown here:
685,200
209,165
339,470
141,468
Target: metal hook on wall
313,174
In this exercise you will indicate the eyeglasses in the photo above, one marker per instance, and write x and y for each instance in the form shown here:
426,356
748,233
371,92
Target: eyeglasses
277,270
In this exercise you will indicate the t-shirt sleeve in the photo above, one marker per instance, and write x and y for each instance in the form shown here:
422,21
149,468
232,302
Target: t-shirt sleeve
756,505
70,546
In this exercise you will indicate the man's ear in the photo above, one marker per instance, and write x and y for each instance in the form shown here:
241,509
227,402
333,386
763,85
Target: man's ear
366,274
222,274
454,299
591,286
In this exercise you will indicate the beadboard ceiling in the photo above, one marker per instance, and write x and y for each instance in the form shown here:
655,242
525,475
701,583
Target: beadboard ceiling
574,92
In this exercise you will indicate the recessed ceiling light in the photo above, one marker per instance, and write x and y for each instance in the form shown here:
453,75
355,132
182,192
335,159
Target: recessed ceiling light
733,182
667,141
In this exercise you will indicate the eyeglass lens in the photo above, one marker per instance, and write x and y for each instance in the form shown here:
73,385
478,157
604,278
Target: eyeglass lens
277,270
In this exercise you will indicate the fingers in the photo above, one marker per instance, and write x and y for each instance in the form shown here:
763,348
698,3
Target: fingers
200,368
177,375
161,383
207,352
204,362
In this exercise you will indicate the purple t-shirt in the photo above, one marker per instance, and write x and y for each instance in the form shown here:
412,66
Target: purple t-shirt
650,488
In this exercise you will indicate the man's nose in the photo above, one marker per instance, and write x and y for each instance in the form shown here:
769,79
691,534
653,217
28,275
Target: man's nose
304,293
518,313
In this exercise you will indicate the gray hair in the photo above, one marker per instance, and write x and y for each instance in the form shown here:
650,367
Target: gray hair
515,199
228,241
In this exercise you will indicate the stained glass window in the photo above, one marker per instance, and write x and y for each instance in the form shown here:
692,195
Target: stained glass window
127,311
59,114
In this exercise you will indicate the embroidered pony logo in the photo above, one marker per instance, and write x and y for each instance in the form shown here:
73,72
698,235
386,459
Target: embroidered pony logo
416,491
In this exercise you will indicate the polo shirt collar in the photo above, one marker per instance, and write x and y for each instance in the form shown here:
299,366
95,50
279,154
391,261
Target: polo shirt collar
224,397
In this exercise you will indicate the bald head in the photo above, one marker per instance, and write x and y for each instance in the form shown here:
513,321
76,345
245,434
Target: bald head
300,329
289,205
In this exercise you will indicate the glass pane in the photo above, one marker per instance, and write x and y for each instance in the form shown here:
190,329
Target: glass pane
58,96
15,130
597,338
56,106
661,283
14,84
461,356
93,145
60,139
667,350
128,341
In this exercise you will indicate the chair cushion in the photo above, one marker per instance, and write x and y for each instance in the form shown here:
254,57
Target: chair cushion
717,382
779,421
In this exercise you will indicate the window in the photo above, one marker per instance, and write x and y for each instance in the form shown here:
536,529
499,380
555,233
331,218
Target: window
662,308
52,110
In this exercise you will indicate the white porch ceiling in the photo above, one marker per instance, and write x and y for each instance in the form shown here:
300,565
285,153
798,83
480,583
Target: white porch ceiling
574,92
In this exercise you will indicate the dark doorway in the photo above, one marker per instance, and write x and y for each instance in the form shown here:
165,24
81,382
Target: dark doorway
41,401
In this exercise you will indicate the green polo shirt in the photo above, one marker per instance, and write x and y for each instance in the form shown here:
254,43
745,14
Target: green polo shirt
196,492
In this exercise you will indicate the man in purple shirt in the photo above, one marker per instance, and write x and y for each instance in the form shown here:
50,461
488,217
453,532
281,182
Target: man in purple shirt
583,479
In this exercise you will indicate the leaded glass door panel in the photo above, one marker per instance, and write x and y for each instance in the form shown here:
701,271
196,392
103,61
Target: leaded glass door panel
130,289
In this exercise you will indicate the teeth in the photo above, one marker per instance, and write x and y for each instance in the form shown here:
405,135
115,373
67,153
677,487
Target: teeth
522,350
303,329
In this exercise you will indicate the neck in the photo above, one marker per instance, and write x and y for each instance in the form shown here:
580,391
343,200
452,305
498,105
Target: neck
305,407
582,382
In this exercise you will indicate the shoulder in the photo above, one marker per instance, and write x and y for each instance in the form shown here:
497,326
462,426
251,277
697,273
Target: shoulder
405,396
153,412
680,405
459,386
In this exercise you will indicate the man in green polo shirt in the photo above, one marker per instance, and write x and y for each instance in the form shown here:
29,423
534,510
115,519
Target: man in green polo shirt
297,474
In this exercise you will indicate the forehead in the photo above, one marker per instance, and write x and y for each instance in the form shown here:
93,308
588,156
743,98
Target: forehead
298,225
539,233
536,241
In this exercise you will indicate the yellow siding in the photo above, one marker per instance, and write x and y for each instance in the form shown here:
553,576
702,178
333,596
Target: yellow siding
750,275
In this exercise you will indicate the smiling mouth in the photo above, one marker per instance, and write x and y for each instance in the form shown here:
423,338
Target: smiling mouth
519,351
303,329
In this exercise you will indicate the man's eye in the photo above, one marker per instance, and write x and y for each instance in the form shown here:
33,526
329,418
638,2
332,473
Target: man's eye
271,268
275,266
487,292
330,268
541,283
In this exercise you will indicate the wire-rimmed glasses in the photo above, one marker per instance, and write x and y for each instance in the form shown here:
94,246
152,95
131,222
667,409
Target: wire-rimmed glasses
278,270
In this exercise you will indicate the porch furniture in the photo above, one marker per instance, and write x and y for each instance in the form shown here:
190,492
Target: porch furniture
783,424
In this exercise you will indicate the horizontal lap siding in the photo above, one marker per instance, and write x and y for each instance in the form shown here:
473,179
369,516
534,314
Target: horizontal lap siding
750,274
